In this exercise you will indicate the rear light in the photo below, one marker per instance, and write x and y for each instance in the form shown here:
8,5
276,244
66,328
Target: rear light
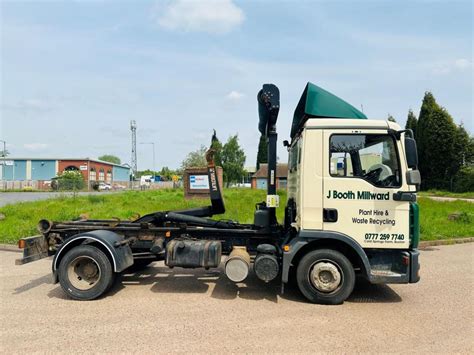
21,244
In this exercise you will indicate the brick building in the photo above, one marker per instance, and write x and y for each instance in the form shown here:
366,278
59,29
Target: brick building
42,170
259,179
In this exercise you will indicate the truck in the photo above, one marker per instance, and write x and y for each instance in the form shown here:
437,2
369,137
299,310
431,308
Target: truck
350,212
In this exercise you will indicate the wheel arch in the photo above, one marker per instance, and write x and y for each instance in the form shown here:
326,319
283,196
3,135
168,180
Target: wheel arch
120,256
310,240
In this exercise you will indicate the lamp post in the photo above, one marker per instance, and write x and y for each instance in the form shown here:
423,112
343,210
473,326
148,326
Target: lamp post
153,144
4,156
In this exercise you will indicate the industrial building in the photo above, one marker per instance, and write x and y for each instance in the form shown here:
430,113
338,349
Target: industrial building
42,170
259,179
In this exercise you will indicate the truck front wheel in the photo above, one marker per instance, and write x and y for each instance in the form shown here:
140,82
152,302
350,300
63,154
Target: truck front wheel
85,273
325,276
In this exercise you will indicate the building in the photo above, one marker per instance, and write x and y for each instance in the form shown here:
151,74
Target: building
259,179
42,170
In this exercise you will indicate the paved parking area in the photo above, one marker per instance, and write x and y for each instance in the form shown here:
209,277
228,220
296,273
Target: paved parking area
163,310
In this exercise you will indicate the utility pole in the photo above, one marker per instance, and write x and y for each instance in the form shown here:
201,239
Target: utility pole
4,156
133,162
154,169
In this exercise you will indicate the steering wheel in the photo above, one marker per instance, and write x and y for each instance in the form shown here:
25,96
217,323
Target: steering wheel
373,175
384,173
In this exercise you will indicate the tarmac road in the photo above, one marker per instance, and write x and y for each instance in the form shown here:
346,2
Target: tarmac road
163,310
15,197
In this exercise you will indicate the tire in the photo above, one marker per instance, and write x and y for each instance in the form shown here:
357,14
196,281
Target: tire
85,273
325,276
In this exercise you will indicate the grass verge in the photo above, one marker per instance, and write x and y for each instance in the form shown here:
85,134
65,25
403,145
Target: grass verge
21,218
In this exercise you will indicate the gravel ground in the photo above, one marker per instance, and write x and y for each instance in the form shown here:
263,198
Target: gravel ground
163,310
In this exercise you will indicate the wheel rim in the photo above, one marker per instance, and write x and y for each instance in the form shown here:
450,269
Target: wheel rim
83,273
326,276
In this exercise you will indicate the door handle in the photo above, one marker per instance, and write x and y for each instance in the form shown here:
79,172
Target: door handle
329,215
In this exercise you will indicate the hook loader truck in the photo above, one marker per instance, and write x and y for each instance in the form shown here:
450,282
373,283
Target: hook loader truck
351,211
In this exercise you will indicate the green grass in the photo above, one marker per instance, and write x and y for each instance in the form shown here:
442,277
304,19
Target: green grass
434,222
441,193
21,218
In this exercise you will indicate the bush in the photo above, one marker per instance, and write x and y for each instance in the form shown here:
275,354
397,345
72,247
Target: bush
69,180
464,180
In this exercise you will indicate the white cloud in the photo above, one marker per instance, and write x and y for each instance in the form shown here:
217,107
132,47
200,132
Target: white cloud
450,66
235,95
462,63
35,146
212,16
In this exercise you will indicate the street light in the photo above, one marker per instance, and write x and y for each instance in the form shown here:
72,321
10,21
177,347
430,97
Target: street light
4,155
153,144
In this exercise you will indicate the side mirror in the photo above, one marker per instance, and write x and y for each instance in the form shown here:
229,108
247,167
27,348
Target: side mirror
411,153
286,143
413,177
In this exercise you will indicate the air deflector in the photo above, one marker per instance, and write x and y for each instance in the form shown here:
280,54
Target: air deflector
317,102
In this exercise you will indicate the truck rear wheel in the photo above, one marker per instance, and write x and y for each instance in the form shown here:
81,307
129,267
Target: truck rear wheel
325,276
85,273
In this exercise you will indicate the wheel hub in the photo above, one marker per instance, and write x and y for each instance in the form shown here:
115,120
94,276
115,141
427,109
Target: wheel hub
325,276
83,273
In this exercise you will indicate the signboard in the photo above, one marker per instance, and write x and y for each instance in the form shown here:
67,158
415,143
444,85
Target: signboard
8,162
83,167
198,182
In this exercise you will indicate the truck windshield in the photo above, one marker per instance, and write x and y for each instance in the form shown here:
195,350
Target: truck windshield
372,157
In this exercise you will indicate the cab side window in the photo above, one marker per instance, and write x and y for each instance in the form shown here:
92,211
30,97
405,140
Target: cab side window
371,157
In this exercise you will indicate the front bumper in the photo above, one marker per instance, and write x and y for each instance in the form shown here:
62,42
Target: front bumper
414,266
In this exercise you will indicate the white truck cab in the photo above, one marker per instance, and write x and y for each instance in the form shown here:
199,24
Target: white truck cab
344,176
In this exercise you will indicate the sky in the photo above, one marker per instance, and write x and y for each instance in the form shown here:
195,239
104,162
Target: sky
74,73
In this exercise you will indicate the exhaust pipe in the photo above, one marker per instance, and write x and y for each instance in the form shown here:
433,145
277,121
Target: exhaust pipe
44,226
237,265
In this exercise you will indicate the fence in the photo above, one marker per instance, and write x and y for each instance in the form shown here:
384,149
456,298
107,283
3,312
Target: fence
46,185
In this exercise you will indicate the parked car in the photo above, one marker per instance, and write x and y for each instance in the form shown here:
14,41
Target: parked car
104,186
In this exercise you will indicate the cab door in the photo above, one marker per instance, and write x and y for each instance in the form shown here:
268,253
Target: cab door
362,172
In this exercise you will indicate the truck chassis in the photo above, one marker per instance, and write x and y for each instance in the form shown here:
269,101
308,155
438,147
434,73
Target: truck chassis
87,253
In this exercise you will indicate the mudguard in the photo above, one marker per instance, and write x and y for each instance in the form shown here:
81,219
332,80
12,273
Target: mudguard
109,242
307,236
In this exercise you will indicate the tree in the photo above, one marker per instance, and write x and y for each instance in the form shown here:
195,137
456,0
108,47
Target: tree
412,122
68,180
436,139
196,159
391,118
217,146
233,160
110,158
262,153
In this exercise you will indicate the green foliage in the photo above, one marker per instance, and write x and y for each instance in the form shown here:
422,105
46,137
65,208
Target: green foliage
412,122
110,158
21,218
233,160
196,159
262,154
464,180
69,180
436,140
217,146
